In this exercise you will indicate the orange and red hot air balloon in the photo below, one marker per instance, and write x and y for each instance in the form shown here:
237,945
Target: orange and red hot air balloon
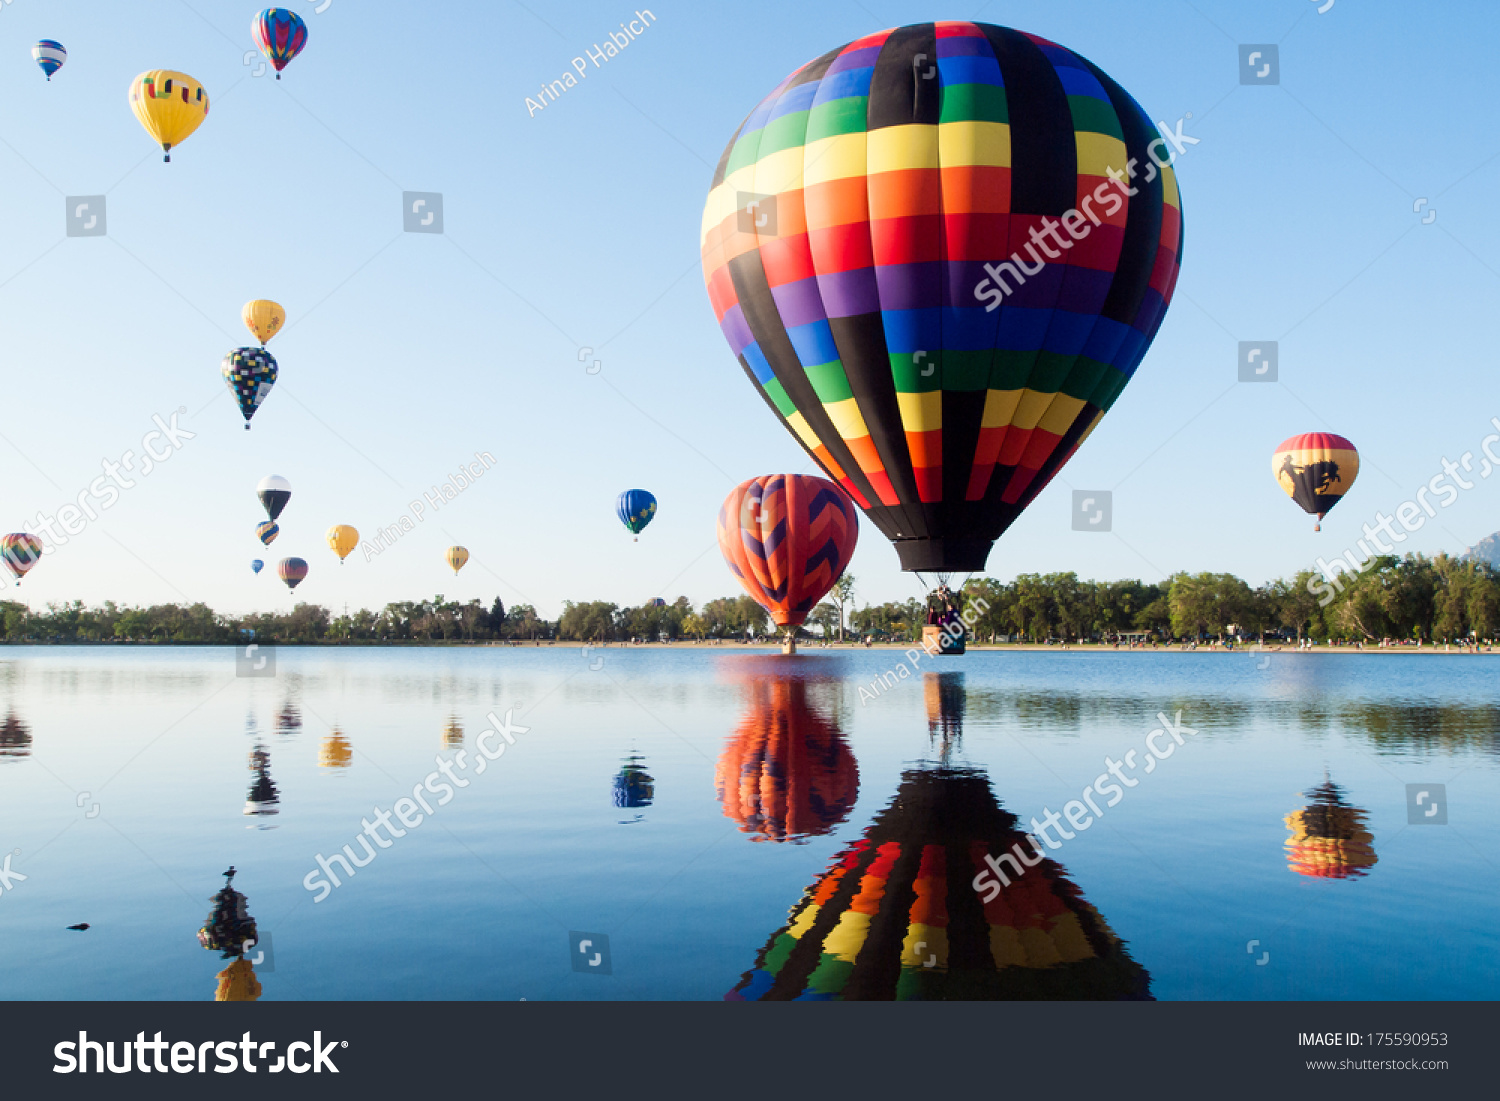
788,538
1316,469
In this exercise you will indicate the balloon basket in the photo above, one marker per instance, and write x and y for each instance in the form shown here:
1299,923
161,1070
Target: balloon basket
789,646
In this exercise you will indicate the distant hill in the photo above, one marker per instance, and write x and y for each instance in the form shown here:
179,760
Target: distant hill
1486,550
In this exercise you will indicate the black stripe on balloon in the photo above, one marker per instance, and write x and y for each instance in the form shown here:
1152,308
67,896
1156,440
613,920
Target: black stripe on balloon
815,69
1143,221
904,86
867,364
1060,453
753,293
723,165
1043,153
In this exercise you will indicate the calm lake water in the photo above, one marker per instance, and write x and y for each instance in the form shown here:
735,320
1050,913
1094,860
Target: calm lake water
724,822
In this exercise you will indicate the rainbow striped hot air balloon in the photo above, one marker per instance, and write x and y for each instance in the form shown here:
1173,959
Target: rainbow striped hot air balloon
918,254
787,537
280,33
21,552
267,532
49,55
1316,469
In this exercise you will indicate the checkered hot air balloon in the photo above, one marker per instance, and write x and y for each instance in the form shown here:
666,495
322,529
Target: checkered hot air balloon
49,55
250,373
899,914
918,254
280,33
787,537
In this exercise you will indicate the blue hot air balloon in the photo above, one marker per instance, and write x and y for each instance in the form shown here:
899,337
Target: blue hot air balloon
635,508
257,565
49,55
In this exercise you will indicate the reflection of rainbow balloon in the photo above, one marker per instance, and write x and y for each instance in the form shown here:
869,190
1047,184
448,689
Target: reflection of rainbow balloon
786,773
335,751
898,914
264,798
944,695
787,537
1329,839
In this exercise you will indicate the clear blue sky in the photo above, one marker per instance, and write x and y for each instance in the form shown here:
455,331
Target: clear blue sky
407,353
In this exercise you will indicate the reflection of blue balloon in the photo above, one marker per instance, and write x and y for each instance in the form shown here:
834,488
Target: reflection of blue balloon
257,565
634,787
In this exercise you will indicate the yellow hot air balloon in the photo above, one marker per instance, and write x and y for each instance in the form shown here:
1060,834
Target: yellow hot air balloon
169,104
456,557
343,539
263,318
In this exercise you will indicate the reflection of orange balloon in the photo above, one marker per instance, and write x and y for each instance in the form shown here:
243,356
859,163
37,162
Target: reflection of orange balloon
786,772
1329,839
335,752
453,733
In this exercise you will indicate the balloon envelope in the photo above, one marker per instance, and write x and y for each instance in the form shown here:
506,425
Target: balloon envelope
250,373
21,552
49,55
274,492
257,565
876,248
342,538
169,104
280,33
263,318
267,532
456,557
1315,469
292,571
787,537
635,508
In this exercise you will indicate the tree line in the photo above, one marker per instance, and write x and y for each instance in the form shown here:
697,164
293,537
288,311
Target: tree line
1410,598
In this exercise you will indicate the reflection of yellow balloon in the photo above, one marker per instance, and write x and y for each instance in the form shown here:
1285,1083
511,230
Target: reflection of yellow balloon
237,983
335,752
453,733
170,105
263,318
456,557
343,539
